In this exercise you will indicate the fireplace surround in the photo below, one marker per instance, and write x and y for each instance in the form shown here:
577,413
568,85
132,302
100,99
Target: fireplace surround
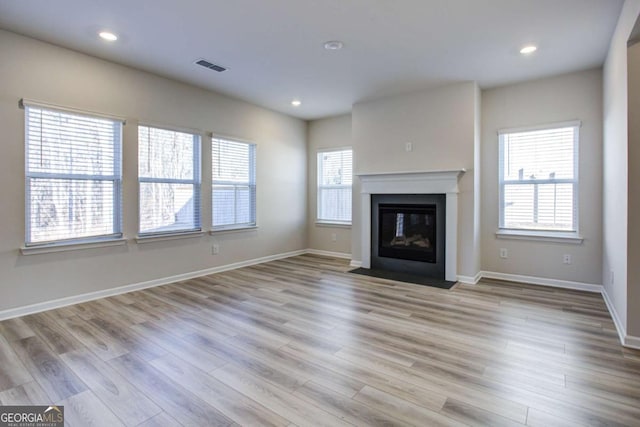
443,182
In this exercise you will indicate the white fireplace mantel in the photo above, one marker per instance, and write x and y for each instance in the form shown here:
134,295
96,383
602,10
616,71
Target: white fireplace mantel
425,182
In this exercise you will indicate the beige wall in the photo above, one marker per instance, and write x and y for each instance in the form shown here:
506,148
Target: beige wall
36,70
440,123
332,132
615,165
633,238
556,99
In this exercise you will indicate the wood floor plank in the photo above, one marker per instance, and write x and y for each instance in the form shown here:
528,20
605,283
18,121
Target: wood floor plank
92,337
15,329
124,299
26,394
234,405
245,321
403,410
470,415
517,376
161,420
51,333
121,335
537,418
279,401
105,307
12,371
179,301
273,372
188,352
300,366
120,396
153,305
111,305
85,409
55,378
347,409
188,323
180,403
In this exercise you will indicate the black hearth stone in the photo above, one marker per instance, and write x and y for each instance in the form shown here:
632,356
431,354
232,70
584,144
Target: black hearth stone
404,277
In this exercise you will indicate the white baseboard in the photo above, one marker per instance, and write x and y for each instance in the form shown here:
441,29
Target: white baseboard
76,299
566,284
626,340
632,342
469,280
328,253
355,264
620,328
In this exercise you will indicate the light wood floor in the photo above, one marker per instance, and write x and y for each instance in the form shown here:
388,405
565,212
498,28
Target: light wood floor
301,342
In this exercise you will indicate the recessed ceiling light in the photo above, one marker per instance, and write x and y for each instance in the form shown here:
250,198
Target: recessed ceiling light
296,103
528,49
106,35
333,45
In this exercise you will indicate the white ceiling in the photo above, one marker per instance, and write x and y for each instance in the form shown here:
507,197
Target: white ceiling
274,48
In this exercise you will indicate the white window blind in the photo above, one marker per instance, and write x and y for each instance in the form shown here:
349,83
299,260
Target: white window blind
169,179
335,177
73,176
539,178
234,184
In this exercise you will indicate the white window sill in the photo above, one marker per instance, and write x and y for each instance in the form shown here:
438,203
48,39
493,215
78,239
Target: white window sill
239,229
336,224
541,236
168,236
76,246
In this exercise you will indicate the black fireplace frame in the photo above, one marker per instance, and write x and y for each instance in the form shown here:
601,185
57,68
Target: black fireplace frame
427,269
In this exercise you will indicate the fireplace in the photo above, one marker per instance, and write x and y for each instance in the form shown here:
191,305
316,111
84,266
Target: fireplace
408,233
438,182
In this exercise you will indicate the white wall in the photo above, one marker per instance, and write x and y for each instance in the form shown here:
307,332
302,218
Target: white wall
332,132
555,99
36,70
440,123
615,164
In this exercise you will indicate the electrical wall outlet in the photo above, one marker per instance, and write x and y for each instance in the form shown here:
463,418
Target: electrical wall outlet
408,146
504,253
215,249
566,259
334,237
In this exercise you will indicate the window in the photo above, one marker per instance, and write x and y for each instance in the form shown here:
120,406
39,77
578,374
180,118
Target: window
234,184
169,178
335,176
73,176
539,178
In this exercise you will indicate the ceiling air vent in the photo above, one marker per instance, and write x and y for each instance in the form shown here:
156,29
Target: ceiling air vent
209,65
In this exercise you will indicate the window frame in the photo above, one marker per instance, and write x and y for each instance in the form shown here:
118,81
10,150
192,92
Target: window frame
97,240
251,184
319,169
196,182
538,233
